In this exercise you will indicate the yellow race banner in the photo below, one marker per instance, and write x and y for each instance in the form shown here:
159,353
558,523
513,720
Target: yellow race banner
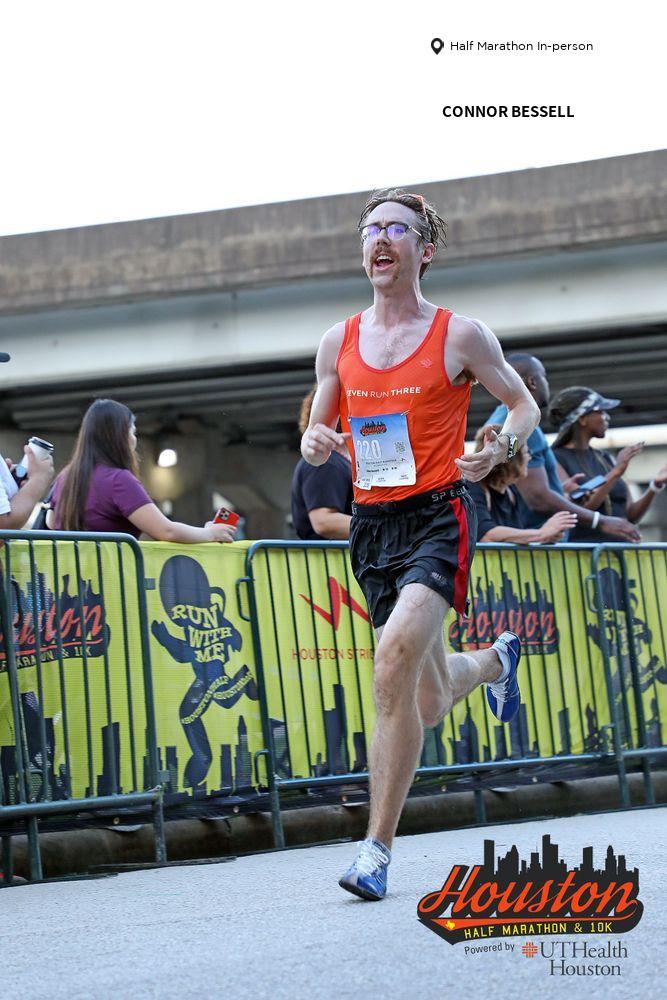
317,649
76,635
206,696
77,650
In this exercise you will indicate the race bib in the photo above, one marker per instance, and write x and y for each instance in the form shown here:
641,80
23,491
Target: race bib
382,451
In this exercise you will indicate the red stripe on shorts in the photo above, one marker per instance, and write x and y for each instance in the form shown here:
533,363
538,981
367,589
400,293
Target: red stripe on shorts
461,575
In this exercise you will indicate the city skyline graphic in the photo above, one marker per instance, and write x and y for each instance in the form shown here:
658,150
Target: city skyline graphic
463,742
550,865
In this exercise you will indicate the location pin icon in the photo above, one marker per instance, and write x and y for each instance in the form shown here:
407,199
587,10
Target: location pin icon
437,45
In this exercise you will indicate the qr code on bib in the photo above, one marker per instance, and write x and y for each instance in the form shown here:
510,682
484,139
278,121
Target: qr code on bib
400,447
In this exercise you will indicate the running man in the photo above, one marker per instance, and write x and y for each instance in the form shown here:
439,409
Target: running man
398,375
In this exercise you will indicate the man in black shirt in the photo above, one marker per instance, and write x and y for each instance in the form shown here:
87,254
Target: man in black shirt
321,495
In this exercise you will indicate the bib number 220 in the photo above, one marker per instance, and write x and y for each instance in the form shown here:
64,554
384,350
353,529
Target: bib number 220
367,449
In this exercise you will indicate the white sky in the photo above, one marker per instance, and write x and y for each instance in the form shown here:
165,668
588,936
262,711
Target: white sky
140,108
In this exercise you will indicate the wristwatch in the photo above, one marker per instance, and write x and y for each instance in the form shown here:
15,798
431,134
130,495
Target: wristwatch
512,444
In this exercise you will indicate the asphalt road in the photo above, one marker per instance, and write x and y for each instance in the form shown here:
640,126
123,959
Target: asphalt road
277,925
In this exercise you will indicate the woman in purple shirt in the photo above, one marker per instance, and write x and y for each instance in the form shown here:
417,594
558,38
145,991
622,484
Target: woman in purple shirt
100,489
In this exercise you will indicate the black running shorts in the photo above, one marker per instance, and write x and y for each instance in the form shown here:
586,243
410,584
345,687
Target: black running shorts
417,540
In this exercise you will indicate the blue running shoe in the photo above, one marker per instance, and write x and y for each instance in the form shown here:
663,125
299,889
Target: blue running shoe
504,696
367,876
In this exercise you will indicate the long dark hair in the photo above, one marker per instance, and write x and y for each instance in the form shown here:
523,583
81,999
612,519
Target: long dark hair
104,439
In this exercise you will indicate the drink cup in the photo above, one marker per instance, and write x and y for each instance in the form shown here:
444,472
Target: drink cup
40,448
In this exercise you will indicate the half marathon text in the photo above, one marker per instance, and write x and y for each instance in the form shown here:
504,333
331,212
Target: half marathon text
471,45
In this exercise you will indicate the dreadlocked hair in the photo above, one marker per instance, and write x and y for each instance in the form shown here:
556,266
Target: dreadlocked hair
562,405
431,227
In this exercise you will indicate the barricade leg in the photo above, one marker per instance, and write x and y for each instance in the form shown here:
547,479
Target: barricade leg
274,799
34,852
158,829
274,796
7,860
480,807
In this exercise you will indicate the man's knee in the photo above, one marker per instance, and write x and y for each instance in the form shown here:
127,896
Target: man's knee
394,673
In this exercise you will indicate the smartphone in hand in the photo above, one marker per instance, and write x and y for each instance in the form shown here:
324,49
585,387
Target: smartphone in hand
587,487
224,516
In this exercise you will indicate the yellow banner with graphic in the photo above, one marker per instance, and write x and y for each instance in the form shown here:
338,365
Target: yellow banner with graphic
77,647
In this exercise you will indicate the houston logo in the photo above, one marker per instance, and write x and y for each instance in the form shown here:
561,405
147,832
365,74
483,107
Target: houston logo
58,626
373,427
339,596
546,896
531,617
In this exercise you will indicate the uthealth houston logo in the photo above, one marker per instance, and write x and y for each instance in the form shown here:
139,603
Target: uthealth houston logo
572,958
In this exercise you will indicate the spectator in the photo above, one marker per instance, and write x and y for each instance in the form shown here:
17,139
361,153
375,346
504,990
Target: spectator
502,513
16,505
321,495
581,414
100,489
541,488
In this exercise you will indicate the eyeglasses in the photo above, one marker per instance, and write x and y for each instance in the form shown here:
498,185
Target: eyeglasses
395,231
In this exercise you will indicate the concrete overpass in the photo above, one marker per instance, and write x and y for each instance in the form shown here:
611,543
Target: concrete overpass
207,324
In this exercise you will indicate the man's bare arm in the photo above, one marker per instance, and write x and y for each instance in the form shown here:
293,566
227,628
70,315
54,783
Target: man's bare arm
330,523
472,348
536,491
321,437
539,496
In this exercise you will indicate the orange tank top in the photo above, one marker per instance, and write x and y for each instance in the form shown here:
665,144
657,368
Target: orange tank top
407,422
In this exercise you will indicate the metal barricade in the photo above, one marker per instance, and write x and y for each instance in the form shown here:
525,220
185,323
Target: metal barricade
61,688
313,647
77,712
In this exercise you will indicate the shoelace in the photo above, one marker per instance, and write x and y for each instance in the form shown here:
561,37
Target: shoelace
500,688
370,858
